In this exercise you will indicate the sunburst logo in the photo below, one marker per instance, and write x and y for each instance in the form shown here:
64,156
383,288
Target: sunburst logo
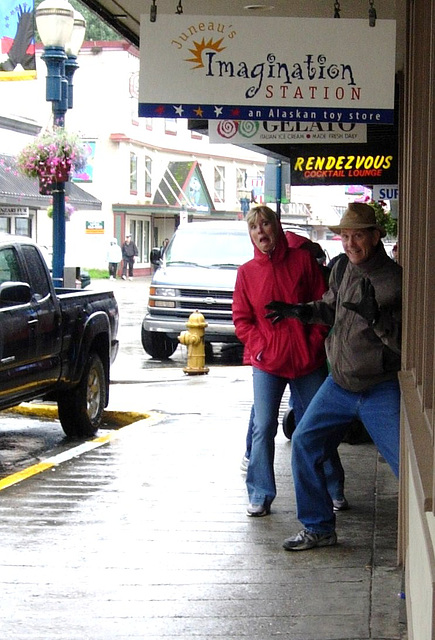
199,49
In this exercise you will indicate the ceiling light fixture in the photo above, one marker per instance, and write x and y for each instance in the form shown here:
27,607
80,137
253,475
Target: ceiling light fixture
372,13
153,11
259,7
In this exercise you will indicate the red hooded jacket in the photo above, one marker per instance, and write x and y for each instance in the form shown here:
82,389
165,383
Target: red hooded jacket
288,348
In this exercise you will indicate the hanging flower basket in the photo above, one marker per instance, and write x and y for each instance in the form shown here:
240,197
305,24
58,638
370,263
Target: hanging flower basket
69,210
45,186
47,178
51,157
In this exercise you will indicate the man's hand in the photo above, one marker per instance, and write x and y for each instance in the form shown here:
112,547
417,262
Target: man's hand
281,310
367,307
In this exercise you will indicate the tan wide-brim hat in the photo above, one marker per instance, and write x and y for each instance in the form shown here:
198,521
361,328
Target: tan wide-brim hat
358,216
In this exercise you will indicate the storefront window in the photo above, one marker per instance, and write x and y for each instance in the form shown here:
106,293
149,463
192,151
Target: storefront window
219,184
15,225
148,168
133,173
23,227
140,232
5,225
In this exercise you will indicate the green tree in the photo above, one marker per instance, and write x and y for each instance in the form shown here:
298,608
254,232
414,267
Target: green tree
96,28
384,218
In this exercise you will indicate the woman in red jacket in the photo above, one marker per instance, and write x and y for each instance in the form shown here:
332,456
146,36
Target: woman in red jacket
284,353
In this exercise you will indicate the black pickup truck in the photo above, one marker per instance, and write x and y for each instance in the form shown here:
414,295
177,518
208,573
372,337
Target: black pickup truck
55,344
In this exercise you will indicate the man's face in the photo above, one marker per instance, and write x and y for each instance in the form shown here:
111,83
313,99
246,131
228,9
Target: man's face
127,239
262,234
359,244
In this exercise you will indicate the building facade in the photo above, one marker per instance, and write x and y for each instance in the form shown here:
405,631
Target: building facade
416,240
146,173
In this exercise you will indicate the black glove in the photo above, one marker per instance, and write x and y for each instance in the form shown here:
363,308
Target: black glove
367,307
281,310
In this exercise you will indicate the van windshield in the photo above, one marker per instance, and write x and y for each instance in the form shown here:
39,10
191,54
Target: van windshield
210,247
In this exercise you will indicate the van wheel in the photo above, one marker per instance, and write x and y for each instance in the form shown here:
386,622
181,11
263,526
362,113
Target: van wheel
158,345
80,409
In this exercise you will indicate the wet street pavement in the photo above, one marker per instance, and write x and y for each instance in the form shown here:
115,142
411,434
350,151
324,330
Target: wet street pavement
24,439
144,535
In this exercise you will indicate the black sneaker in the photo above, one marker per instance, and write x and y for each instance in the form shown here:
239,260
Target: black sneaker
307,540
288,423
341,504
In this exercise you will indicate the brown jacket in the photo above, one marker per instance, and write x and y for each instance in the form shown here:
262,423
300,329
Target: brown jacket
359,355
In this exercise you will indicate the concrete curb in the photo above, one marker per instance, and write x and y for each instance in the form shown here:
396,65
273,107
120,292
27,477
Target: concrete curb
49,412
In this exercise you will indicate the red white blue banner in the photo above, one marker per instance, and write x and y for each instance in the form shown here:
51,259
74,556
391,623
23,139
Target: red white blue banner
252,68
17,40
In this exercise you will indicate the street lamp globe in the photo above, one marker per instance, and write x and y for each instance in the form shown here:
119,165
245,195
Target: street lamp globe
72,47
55,22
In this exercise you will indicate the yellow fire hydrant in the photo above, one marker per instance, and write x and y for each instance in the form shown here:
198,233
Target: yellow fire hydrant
194,339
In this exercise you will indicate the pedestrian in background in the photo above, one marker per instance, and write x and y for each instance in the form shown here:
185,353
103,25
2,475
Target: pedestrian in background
114,257
280,355
364,355
129,252
163,247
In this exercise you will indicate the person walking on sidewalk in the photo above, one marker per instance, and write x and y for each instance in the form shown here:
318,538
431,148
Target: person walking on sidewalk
129,252
114,257
279,354
364,355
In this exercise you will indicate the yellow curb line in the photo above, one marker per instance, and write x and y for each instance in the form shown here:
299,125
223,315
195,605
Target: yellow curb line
50,411
84,447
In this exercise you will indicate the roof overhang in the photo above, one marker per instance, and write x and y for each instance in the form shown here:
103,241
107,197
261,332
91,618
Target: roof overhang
125,15
18,189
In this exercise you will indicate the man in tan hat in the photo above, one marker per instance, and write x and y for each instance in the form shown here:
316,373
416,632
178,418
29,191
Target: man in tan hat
363,350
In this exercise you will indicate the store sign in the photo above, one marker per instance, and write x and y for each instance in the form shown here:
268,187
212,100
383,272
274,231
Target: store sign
366,167
6,210
272,132
300,69
94,226
386,192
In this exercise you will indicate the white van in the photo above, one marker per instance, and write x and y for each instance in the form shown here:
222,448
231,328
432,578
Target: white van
197,272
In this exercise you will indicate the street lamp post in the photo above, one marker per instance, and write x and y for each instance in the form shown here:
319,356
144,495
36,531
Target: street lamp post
62,30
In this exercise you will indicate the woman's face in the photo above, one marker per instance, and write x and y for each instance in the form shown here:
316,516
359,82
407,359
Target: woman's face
262,234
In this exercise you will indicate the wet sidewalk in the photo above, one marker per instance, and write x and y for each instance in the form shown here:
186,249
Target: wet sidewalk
146,537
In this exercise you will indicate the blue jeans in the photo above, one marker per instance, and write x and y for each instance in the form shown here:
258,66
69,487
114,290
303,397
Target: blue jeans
320,431
268,392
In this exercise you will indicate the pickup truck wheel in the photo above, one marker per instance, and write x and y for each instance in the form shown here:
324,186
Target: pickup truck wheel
80,409
158,345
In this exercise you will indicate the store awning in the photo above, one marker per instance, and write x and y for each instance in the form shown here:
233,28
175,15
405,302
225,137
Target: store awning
16,189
